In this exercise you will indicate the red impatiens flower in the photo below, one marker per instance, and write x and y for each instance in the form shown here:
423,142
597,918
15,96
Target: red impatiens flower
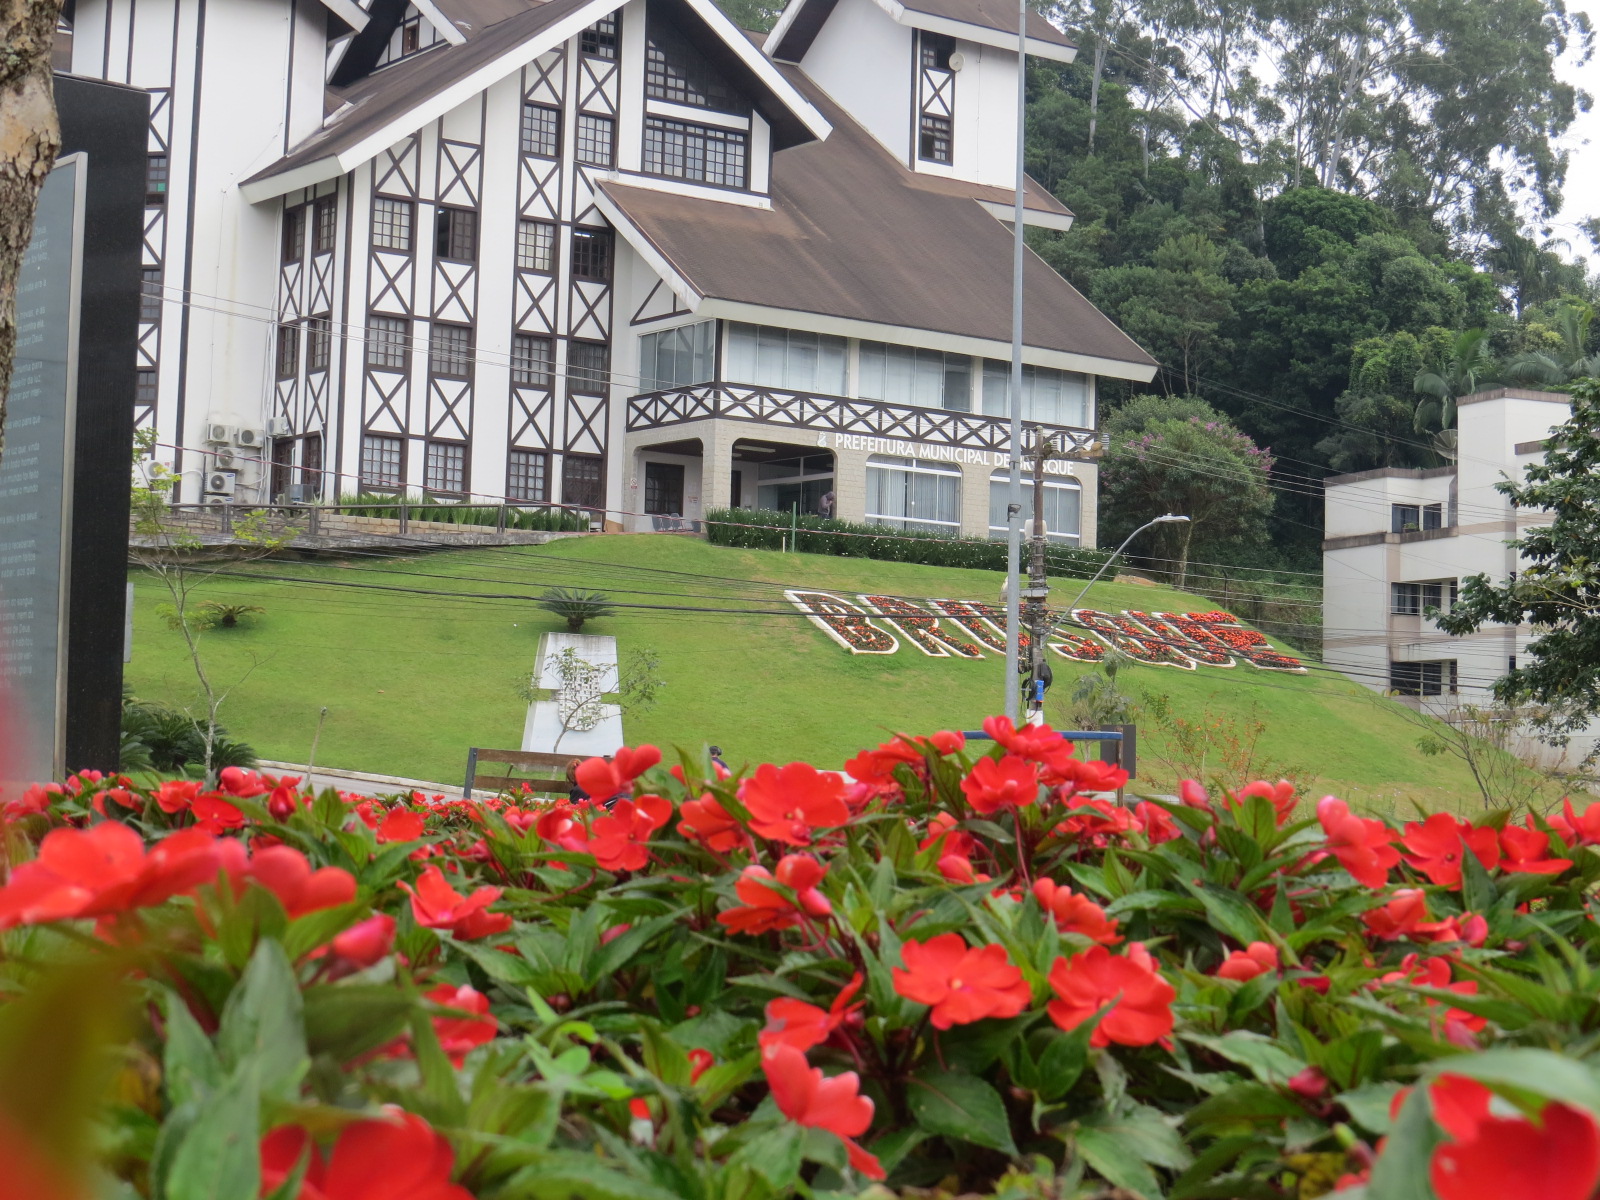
1435,847
961,984
788,803
399,1157
1070,775
765,908
237,781
1578,829
994,784
470,1027
1459,1026
284,872
1076,914
401,825
1140,999
603,780
366,942
1037,743
104,870
1361,845
620,841
1244,965
700,1061
806,1097
560,827
436,905
1495,1158
795,1023
36,799
707,822
1281,794
1193,795
1406,916
1527,852
1158,823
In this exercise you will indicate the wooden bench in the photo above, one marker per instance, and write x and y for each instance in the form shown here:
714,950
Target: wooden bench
544,772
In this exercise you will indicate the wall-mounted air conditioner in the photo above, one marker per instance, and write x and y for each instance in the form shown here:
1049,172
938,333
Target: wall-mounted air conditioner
217,500
217,432
221,483
250,439
224,460
278,427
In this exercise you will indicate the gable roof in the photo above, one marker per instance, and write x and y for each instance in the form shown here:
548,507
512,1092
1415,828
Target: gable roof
990,22
854,236
378,110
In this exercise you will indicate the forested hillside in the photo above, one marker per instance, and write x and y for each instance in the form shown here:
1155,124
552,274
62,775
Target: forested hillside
1300,207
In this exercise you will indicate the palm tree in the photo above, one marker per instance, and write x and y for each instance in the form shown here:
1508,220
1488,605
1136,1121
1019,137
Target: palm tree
576,606
1467,367
1572,361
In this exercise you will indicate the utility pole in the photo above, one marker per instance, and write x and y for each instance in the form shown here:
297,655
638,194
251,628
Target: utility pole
1040,675
1014,491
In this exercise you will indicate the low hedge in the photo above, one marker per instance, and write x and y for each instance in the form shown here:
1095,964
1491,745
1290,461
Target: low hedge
543,517
760,529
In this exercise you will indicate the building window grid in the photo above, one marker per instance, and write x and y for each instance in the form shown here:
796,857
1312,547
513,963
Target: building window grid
388,341
294,233
909,493
1424,678
326,225
391,224
583,482
536,246
936,51
319,343
527,475
676,72
600,39
445,467
450,351
596,140
1410,518
1415,599
145,389
155,179
588,366
698,153
1063,508
456,234
382,461
150,295
541,130
288,351
591,255
532,360
937,138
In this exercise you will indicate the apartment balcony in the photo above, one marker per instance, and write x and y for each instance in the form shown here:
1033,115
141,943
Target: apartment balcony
802,412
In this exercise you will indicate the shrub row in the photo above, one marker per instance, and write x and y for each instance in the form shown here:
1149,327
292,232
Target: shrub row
429,509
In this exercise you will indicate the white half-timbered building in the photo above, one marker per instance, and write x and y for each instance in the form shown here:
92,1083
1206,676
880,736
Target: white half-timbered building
621,256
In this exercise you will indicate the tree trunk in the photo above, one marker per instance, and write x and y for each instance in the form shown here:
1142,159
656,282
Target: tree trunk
29,139
1094,88
1183,554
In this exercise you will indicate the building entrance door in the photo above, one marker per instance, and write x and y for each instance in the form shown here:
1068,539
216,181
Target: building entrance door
663,488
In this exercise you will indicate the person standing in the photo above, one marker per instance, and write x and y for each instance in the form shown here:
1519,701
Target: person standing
825,506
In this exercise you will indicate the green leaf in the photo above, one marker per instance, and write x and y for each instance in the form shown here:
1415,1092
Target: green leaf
961,1107
1369,1106
439,1083
1478,893
347,1020
1151,1136
220,1158
190,1065
774,1155
1229,912
306,933
1266,1060
1064,1058
1116,1162
618,952
976,1046
263,1022
1401,1172
1541,1073
564,1174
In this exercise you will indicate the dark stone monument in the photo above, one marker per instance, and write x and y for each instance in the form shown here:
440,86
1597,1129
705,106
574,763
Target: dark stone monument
64,472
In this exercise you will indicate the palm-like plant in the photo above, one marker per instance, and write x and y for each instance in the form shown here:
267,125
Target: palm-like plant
576,606
1467,367
1572,361
213,613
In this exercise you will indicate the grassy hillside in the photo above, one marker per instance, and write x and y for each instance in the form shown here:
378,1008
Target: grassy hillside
418,658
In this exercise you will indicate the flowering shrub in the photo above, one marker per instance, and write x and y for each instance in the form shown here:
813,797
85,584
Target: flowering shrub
964,966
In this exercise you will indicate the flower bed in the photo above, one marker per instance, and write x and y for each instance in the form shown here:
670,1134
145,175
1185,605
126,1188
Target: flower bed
970,970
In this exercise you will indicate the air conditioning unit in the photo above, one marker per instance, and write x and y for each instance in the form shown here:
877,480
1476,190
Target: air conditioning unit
224,460
221,483
250,439
217,500
218,433
278,427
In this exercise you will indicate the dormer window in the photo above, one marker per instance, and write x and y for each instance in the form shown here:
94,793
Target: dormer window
676,72
600,39
699,153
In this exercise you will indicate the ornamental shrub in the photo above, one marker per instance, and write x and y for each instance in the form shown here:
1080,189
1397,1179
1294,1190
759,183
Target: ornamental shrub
762,529
963,966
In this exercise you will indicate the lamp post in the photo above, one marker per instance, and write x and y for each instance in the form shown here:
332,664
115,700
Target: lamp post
1014,490
1164,519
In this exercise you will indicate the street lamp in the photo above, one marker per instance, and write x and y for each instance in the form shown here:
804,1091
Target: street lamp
1164,519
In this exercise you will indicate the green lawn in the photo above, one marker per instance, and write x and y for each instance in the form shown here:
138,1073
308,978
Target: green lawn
411,680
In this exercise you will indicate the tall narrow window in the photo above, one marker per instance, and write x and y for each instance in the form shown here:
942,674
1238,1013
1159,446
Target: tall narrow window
588,366
527,475
456,234
591,254
327,224
596,140
150,294
319,343
910,493
445,467
583,482
531,360
145,389
383,461
935,142
411,36
536,246
600,39
541,130
155,179
288,351
450,351
388,340
294,233
391,224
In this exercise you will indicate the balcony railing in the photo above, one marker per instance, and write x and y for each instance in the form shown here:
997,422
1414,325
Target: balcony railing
835,414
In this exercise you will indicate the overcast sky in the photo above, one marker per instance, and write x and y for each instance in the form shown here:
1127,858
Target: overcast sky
1583,175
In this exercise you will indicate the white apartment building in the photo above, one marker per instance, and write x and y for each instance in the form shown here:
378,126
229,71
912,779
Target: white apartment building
1399,541
623,256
